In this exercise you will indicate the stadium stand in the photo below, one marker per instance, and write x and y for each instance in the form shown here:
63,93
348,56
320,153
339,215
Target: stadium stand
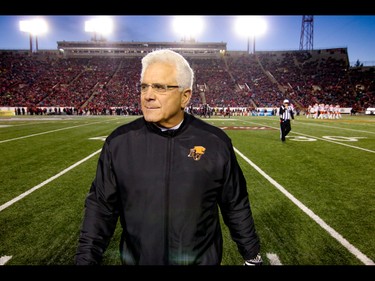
87,78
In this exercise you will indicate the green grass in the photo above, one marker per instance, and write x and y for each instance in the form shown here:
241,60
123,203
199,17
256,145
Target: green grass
326,165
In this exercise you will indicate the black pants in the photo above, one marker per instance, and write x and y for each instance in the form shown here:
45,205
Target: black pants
285,128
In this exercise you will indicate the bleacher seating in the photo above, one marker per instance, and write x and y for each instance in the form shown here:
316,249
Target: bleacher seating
105,85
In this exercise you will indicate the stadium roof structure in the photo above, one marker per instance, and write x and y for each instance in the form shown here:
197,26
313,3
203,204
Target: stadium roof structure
129,49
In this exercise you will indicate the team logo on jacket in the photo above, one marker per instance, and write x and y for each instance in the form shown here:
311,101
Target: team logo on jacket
197,152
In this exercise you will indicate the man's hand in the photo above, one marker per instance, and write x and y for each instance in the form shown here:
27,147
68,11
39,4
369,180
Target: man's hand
255,261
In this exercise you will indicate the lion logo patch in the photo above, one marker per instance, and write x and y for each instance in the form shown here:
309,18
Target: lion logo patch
196,152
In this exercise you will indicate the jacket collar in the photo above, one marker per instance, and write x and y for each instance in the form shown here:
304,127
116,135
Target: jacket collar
171,132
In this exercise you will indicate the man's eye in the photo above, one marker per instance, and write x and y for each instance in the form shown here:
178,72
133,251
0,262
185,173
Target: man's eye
158,87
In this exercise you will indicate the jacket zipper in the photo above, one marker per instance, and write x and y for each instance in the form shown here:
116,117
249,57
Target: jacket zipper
170,141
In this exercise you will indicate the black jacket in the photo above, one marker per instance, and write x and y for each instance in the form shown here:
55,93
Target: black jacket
166,189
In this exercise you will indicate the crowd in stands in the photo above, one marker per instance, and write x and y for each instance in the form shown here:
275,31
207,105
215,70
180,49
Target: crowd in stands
104,85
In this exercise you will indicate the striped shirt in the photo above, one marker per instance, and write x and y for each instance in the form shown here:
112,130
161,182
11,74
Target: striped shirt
286,113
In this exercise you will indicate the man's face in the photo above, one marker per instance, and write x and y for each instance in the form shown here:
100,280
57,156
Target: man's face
163,108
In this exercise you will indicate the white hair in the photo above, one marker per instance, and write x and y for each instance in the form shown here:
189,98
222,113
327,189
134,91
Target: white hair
185,74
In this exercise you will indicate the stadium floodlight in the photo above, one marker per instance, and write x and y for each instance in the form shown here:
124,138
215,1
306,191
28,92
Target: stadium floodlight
188,26
102,25
34,27
250,26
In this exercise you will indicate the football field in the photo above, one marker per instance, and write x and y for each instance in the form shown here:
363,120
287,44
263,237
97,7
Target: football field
312,197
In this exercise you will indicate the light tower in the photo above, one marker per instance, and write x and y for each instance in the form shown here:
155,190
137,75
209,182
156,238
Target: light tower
307,33
99,26
34,28
250,26
189,27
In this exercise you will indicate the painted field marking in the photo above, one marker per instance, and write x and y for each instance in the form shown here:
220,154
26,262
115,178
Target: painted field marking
323,139
4,259
357,253
274,259
19,197
52,131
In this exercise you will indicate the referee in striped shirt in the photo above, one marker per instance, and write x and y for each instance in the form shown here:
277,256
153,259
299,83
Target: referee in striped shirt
285,113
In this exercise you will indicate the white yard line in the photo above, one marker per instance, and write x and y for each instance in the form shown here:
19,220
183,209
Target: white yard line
333,127
19,197
362,257
48,132
336,142
274,259
323,139
4,259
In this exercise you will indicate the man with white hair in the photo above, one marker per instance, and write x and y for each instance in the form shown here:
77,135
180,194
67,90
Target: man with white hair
167,177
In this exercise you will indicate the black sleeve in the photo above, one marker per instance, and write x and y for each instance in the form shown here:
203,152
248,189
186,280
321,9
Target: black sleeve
236,211
101,214
281,111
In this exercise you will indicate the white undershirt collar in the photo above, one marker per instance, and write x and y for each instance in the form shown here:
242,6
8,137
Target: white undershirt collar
173,128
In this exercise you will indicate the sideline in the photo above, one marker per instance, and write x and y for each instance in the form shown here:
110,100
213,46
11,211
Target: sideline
357,253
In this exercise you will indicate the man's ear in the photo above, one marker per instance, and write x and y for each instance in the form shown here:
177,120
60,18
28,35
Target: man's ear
185,98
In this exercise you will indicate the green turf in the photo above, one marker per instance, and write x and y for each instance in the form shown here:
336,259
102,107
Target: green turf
326,165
